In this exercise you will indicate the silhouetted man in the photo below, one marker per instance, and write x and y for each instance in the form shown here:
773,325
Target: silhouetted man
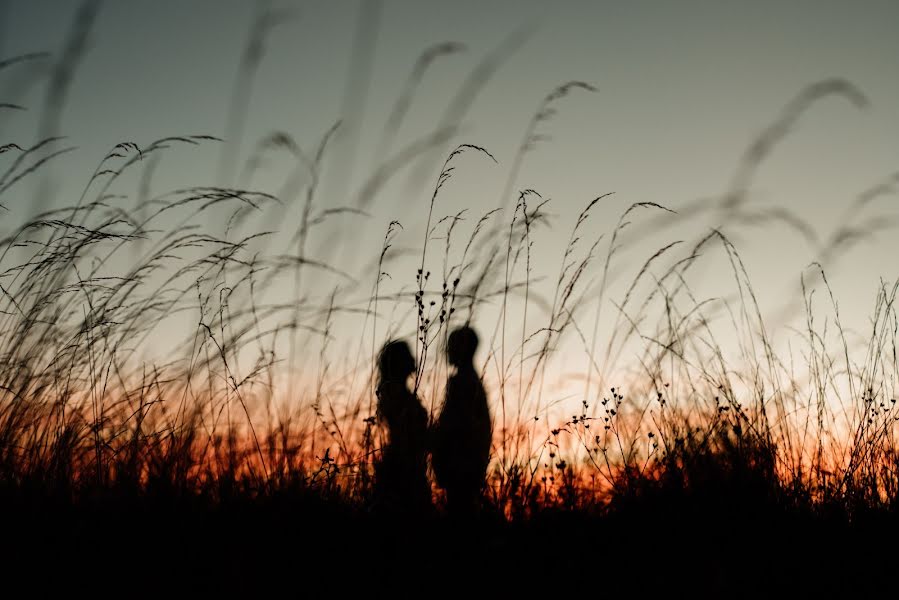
462,433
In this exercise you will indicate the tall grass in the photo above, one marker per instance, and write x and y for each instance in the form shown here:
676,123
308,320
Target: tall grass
142,352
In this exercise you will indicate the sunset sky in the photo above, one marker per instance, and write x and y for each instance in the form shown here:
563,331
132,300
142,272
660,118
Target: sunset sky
683,88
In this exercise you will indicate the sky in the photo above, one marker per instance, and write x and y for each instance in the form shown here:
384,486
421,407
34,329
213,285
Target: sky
682,90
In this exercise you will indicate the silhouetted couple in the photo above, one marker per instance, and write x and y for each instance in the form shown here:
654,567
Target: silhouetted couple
458,440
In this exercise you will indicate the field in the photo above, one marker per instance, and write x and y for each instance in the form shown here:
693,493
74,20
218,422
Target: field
187,374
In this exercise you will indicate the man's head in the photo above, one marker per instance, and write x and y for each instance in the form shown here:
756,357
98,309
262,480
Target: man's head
461,346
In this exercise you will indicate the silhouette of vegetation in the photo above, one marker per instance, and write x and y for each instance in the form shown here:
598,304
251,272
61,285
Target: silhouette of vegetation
243,447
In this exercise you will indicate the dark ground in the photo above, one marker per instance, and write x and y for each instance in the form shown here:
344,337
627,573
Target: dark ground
676,547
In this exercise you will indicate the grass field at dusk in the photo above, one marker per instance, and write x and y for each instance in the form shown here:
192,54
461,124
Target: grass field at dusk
683,290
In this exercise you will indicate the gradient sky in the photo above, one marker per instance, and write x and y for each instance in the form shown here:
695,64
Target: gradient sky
683,88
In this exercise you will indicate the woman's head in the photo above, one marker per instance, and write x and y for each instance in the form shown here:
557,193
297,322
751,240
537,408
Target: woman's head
396,361
461,346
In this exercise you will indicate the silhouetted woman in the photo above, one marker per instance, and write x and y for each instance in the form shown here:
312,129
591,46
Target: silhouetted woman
461,436
401,483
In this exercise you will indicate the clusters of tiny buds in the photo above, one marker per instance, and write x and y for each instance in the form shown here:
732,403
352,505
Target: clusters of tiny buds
877,409
445,311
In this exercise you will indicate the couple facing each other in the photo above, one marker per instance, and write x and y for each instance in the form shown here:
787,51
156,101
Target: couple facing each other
458,440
